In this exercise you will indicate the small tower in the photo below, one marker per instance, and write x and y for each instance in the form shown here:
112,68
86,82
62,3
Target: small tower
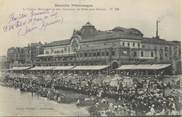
88,30
157,26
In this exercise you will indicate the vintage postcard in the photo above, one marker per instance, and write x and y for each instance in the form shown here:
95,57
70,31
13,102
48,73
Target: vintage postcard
90,58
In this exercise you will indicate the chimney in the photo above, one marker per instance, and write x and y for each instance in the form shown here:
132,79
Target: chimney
157,32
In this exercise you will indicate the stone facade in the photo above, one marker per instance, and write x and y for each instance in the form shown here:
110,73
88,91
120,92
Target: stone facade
23,56
89,46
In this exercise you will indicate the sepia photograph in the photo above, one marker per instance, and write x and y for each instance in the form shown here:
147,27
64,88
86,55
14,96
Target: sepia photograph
90,58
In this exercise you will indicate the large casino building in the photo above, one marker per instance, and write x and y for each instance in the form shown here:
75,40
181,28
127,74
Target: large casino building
116,49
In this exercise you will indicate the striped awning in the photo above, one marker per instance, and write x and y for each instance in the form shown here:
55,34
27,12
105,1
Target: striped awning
144,67
63,67
42,68
91,67
52,68
18,68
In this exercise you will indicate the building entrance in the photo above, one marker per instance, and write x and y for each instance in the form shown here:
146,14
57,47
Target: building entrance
114,65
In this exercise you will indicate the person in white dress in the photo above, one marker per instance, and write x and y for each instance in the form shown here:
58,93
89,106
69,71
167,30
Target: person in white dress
152,111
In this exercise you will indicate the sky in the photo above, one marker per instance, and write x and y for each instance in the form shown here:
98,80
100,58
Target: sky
139,14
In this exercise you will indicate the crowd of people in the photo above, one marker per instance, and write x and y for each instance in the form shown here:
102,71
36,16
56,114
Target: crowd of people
103,94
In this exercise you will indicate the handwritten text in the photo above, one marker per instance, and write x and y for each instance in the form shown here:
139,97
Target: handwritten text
31,20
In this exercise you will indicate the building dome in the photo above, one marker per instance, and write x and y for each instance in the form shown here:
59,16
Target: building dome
130,31
120,29
135,31
88,30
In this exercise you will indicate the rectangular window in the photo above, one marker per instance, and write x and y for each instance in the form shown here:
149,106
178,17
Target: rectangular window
85,54
90,54
113,53
128,44
135,54
80,54
166,54
61,51
166,48
107,53
98,53
141,53
133,44
65,49
152,54
68,49
138,44
47,52
124,52
103,54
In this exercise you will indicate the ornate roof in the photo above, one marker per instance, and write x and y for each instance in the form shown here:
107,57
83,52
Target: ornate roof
88,33
58,43
117,32
103,36
154,41
119,29
135,31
